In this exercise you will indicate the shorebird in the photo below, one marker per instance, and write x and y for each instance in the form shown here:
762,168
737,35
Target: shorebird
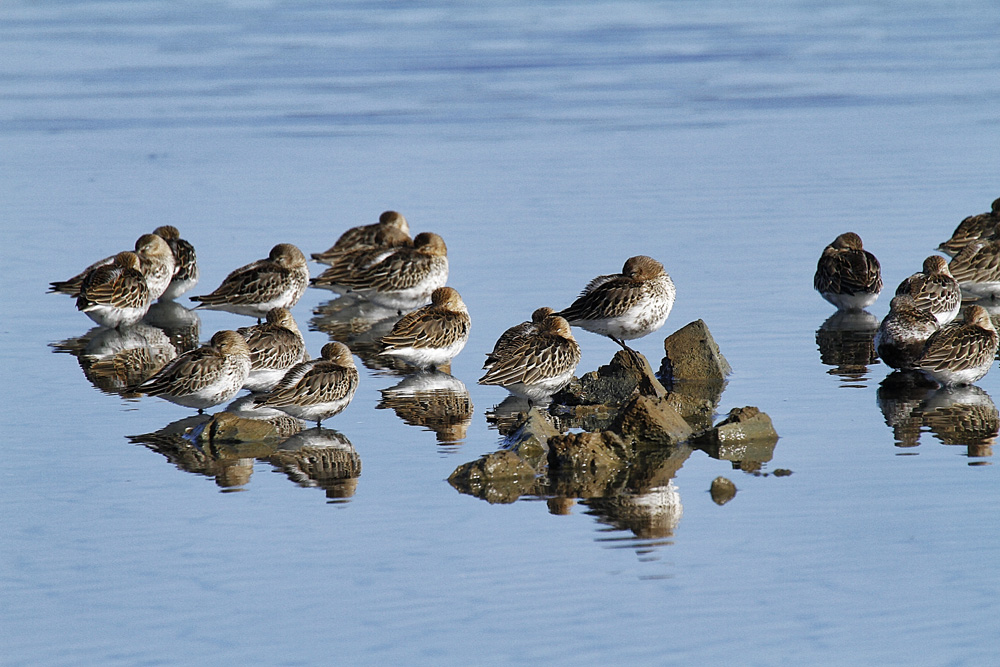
390,231
115,294
185,262
539,364
317,389
275,346
961,352
627,305
203,377
515,334
934,289
979,227
155,261
901,336
847,275
276,282
977,269
430,336
401,278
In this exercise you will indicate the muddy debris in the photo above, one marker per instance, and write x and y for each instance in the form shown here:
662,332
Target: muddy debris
723,490
530,439
588,451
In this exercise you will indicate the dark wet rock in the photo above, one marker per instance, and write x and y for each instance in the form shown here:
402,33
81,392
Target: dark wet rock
588,451
692,354
530,439
781,472
652,421
628,373
745,435
227,427
586,417
723,490
500,477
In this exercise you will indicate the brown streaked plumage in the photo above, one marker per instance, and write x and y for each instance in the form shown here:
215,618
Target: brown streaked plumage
961,352
185,262
430,336
204,377
317,389
401,278
538,365
977,269
627,305
981,227
276,282
115,294
847,275
901,336
515,334
390,231
275,346
934,289
155,261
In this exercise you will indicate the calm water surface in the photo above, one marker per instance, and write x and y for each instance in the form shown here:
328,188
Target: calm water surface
546,143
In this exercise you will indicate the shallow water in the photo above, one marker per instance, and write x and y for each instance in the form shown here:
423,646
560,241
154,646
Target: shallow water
546,143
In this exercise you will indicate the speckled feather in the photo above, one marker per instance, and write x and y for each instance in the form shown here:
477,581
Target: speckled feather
973,228
275,344
186,272
278,281
203,377
391,230
547,353
934,290
442,323
846,268
513,336
969,346
318,388
115,294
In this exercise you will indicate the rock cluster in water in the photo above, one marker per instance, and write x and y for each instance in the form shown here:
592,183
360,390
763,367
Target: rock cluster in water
622,428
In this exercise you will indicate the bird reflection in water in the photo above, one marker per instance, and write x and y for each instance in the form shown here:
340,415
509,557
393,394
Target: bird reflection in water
433,400
846,342
320,457
964,415
115,359
184,444
360,325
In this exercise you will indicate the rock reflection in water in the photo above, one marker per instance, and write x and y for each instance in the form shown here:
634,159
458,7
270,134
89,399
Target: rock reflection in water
965,416
322,458
116,359
183,444
360,325
846,342
434,400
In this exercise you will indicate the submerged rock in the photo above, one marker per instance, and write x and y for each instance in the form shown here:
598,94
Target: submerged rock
746,434
722,490
228,427
500,477
692,354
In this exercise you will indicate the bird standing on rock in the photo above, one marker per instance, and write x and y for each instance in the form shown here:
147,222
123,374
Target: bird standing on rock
627,305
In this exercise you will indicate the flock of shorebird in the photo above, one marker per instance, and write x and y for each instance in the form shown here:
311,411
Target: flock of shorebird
379,263
922,332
